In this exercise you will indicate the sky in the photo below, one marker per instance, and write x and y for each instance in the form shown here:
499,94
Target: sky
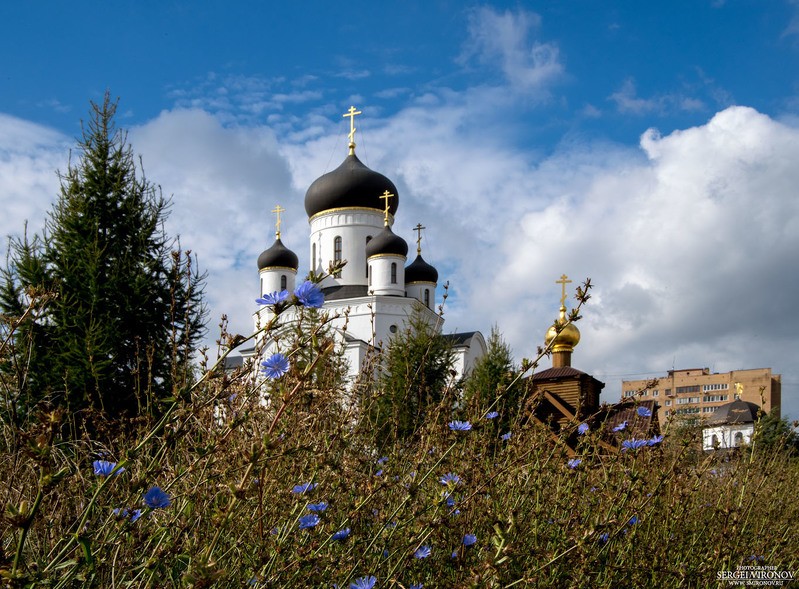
653,147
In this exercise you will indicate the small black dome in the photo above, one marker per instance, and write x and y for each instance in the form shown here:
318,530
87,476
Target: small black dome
735,412
386,242
352,184
420,271
278,256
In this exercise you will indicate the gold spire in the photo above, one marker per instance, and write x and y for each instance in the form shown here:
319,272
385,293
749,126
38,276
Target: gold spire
565,334
418,230
277,210
387,196
351,114
563,282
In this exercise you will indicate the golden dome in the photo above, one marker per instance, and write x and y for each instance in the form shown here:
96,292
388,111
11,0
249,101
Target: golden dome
567,338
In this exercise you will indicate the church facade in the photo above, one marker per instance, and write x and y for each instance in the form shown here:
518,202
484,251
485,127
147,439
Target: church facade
351,212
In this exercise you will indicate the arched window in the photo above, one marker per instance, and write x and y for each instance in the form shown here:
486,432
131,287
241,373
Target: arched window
283,282
313,257
337,254
715,441
427,298
393,273
262,287
739,439
369,274
368,239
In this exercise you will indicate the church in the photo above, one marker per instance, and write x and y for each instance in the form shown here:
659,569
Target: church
351,211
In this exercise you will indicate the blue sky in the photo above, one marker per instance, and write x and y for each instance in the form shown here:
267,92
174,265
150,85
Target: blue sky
650,146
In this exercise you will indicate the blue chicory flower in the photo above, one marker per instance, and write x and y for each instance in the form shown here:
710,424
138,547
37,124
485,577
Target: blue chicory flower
574,463
364,583
275,366
133,514
309,521
506,436
273,298
341,534
382,460
633,520
309,295
416,586
449,478
620,427
654,441
460,426
321,506
633,444
155,498
582,429
644,412
422,552
104,468
604,537
469,540
492,414
304,488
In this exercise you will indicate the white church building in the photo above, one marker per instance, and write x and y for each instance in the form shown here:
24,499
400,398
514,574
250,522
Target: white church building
351,211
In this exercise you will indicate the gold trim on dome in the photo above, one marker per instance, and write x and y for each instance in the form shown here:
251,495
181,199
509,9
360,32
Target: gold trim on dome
278,268
347,209
387,256
420,282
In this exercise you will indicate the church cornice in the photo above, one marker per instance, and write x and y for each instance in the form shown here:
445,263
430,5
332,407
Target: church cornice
339,210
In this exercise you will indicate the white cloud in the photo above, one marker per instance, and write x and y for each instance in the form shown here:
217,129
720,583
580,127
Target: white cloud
628,102
506,39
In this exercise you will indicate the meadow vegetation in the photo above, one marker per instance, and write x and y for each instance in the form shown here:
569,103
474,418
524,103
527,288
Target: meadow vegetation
222,489
125,464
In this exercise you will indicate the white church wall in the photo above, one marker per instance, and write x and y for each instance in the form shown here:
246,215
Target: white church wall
353,226
725,435
382,274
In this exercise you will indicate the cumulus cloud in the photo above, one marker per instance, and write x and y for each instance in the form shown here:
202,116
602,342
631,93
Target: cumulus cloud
506,38
30,155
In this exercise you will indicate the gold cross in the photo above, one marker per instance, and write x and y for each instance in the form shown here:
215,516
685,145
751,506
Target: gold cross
563,282
351,114
387,196
278,209
418,230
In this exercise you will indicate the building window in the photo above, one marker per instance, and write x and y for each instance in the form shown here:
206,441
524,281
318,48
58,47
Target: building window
368,239
262,287
313,257
668,402
629,393
691,389
714,398
337,254
427,298
739,439
714,441
369,274
668,392
715,387
655,393
393,273
283,282
708,409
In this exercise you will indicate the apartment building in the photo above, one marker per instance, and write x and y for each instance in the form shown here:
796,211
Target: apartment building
695,393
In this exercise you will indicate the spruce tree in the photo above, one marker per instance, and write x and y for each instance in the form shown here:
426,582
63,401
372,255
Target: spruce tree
123,310
486,387
414,375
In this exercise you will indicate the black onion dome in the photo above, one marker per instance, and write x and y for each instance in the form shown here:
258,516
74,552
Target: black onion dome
735,412
278,256
352,184
386,242
420,271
